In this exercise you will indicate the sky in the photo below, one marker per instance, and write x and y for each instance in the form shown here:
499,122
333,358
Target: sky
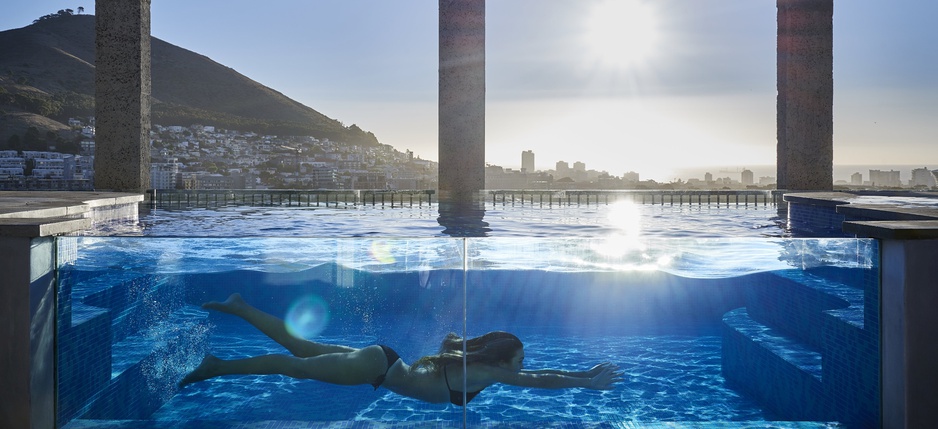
652,86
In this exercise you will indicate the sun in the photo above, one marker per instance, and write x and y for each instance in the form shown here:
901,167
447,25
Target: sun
621,33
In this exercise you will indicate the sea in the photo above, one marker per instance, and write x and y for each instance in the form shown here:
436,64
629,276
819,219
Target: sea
841,172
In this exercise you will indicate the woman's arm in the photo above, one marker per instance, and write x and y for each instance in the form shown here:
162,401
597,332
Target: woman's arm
588,373
600,377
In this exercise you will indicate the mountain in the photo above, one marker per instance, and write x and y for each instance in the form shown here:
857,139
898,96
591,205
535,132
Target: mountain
47,76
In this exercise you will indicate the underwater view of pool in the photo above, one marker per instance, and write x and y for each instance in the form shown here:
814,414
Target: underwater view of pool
694,323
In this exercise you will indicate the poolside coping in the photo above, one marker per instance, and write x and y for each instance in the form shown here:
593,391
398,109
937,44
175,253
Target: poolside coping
914,218
43,214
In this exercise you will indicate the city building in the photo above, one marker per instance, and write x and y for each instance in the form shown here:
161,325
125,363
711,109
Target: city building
563,169
923,177
11,164
887,179
164,175
527,161
856,179
746,177
766,181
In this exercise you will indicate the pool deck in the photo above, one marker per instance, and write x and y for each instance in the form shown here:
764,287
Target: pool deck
42,214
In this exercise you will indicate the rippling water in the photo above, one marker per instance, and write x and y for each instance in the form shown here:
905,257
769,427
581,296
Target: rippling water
495,221
687,257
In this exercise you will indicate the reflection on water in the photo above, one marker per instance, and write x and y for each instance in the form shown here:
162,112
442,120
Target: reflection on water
463,219
454,220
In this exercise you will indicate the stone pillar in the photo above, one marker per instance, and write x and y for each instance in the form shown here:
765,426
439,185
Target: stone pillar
122,95
462,100
805,124
27,316
909,333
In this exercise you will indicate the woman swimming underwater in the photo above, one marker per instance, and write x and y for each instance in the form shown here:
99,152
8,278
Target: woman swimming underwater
496,357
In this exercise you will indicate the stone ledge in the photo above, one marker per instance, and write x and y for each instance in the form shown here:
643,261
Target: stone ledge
885,212
46,213
912,216
894,229
32,227
25,204
829,199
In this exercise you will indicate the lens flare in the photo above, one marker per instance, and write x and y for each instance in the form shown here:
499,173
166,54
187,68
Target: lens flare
381,252
307,317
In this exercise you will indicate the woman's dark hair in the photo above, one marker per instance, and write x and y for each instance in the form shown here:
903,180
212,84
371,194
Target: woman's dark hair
493,348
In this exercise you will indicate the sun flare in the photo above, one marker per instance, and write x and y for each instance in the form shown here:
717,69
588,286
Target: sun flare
621,33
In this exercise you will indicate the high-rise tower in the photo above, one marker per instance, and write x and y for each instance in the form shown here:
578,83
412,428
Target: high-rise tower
527,161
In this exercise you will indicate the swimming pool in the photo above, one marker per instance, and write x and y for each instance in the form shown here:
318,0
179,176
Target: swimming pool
692,321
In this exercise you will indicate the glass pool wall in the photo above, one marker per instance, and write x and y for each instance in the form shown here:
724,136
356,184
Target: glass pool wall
705,330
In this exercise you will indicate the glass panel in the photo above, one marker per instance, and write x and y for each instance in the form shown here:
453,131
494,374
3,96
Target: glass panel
752,330
131,325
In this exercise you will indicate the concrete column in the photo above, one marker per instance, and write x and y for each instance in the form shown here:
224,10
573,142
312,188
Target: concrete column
27,316
909,333
805,124
122,95
462,100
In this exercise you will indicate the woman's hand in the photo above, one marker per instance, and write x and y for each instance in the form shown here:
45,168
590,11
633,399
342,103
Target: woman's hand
599,368
604,376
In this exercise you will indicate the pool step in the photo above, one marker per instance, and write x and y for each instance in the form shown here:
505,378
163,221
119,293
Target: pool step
84,357
807,345
133,377
135,300
784,373
804,306
147,365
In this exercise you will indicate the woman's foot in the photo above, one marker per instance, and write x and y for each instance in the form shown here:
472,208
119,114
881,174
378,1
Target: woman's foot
233,305
204,371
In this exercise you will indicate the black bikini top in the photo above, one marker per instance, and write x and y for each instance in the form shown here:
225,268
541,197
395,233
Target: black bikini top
455,396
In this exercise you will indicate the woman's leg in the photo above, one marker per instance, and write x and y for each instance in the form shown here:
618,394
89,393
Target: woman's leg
357,367
273,327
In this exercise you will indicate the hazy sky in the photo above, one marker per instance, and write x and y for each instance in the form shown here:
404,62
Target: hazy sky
686,83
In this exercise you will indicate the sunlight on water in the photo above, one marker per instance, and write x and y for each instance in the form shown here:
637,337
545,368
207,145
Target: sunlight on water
687,257
307,317
626,220
524,220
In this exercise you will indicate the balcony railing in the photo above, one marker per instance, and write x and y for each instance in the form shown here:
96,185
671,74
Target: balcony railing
211,198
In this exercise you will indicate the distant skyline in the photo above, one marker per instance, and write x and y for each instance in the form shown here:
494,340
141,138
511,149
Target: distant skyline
691,83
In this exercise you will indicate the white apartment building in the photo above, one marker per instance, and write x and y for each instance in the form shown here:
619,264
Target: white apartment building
11,164
163,175
923,177
885,178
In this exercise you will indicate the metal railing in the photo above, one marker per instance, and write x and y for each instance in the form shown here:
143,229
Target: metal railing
650,196
209,198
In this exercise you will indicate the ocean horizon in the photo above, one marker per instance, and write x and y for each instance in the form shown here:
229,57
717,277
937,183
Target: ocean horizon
841,172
